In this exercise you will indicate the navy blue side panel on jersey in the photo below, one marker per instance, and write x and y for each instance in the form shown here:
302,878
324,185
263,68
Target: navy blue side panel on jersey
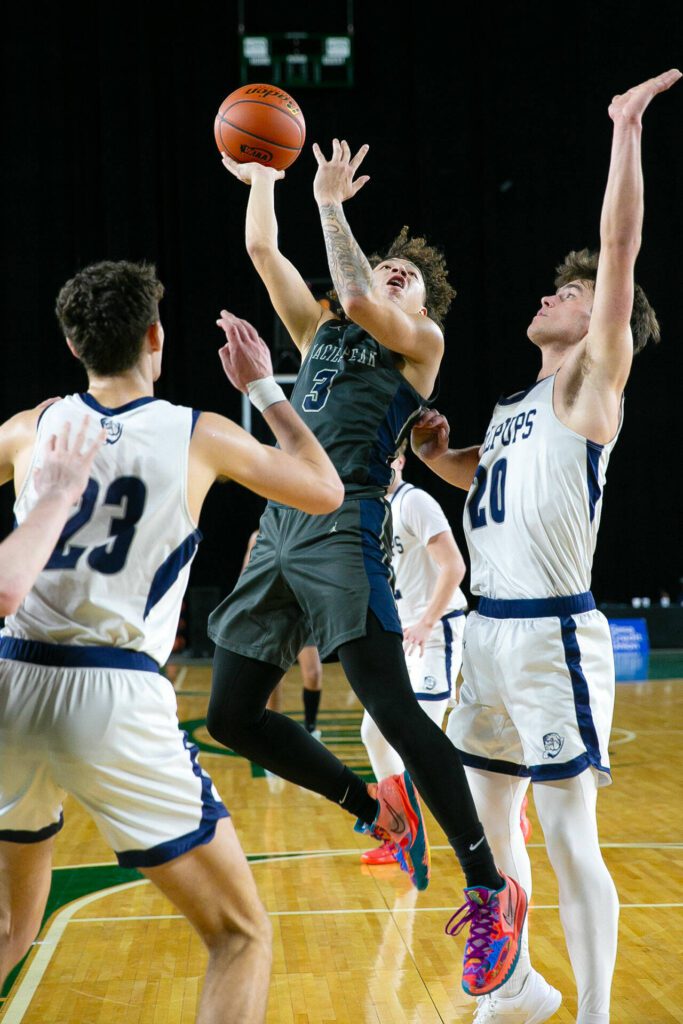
373,522
393,428
593,453
170,569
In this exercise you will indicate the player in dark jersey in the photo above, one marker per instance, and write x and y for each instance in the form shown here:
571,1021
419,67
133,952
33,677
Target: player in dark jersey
366,373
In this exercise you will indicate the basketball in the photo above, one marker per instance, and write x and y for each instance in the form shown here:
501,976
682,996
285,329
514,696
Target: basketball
260,123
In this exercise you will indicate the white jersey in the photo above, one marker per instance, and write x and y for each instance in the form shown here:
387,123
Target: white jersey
118,573
416,518
533,510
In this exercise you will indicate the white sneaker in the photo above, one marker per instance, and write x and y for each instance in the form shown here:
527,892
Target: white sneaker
536,1002
317,735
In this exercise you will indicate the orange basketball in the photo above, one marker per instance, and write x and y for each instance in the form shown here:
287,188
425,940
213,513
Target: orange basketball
260,123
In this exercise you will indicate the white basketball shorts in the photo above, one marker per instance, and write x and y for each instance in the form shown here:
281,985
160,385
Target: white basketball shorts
110,738
433,675
538,689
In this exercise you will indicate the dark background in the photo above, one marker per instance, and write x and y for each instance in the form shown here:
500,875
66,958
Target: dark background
492,139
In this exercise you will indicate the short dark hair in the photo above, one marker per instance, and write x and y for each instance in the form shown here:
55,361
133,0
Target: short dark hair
583,266
105,311
431,263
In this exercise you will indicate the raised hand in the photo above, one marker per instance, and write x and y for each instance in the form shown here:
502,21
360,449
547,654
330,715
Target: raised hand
247,172
334,179
67,469
630,107
429,436
245,356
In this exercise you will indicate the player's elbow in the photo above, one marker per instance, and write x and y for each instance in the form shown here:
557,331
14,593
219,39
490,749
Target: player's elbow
11,596
360,308
260,251
327,496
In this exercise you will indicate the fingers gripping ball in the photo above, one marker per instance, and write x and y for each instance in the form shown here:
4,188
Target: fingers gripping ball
260,123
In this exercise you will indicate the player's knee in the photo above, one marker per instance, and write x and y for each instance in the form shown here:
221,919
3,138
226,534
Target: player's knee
251,931
313,678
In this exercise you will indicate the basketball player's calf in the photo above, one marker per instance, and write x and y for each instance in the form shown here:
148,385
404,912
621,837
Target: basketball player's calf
25,876
213,887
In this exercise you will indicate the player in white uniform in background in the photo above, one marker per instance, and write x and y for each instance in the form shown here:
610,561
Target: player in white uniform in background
538,691
428,569
83,707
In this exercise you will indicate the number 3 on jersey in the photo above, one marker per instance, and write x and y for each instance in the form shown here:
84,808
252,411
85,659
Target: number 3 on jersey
316,398
128,494
496,485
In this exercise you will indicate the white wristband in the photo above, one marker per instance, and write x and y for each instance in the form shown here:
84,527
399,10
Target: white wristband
265,392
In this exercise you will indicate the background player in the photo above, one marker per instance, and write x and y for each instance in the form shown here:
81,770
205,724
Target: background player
428,570
366,373
538,669
58,486
310,667
83,708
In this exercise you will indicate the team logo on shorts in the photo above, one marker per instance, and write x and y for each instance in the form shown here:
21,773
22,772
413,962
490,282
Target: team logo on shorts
552,743
114,429
429,683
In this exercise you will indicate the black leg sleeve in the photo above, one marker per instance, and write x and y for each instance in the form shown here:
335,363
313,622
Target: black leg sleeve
237,718
376,668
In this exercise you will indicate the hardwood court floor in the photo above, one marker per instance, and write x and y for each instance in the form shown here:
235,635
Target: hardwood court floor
354,944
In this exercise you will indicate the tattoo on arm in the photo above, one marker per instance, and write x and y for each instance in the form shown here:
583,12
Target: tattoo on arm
349,269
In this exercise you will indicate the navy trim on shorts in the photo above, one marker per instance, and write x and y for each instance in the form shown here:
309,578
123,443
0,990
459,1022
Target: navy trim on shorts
444,695
212,811
71,656
10,835
566,770
582,704
537,607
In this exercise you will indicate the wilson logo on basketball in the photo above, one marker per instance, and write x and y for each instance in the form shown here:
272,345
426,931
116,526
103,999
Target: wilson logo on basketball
262,155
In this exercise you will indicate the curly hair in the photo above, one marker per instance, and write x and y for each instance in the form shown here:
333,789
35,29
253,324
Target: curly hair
105,311
431,263
583,266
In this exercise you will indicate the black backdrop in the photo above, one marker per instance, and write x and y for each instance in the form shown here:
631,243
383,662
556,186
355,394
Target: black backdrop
492,139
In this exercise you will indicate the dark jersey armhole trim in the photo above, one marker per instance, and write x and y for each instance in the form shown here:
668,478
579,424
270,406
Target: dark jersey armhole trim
196,413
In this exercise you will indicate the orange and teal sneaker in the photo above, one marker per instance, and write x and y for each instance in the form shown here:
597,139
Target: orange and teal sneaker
496,919
399,822
383,854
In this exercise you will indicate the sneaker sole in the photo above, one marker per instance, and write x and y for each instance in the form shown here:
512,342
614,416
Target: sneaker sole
416,856
549,1008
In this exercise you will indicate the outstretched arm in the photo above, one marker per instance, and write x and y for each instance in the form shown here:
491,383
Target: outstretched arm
429,441
445,552
298,473
291,297
415,337
59,482
606,360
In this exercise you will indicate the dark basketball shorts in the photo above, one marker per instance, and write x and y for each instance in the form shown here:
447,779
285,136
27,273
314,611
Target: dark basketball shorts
310,580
